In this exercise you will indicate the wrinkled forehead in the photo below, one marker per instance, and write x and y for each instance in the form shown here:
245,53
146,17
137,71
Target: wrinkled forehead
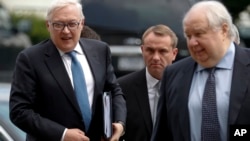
195,19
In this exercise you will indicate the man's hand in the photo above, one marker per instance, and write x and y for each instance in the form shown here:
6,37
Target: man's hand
75,135
117,131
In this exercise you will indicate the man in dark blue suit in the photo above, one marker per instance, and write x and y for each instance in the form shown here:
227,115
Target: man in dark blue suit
141,87
43,101
208,29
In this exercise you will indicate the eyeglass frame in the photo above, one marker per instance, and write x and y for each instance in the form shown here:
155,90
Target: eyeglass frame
76,25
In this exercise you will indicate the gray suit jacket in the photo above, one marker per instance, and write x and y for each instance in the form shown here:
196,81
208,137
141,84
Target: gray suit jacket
42,101
139,122
173,116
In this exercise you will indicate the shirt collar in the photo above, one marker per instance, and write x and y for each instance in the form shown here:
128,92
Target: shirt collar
77,48
151,81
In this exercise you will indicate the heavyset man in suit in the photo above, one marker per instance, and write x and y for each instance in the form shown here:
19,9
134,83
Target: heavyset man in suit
140,88
43,102
208,30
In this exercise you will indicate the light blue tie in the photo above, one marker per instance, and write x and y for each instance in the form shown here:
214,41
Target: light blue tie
80,89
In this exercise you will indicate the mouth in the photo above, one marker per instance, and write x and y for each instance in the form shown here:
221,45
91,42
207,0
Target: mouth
156,65
199,52
66,38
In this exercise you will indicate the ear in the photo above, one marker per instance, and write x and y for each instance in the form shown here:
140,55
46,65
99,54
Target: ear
47,25
225,29
175,52
142,48
82,23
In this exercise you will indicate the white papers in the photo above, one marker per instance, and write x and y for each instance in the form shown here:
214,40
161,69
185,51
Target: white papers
107,114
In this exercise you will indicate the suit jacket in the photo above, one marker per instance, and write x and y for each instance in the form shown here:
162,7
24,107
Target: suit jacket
42,101
139,122
173,115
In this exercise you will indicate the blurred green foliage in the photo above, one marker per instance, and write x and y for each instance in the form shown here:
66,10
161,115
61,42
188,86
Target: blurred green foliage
38,30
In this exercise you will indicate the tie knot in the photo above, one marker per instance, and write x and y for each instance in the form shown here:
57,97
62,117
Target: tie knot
210,70
157,85
71,54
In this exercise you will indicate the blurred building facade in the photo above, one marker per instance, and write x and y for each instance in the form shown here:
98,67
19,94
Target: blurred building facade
37,7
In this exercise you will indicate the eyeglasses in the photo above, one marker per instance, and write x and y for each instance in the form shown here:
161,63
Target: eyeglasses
59,26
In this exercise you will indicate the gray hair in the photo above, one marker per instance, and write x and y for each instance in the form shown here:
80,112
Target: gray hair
58,4
236,36
216,13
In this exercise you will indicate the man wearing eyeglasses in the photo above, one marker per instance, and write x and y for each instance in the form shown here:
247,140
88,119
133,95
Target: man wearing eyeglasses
57,87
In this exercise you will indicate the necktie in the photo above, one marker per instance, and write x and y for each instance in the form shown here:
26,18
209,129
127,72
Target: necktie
210,128
80,89
156,99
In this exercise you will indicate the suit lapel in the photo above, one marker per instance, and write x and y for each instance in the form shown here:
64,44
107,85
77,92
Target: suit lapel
91,54
240,81
184,89
58,71
143,100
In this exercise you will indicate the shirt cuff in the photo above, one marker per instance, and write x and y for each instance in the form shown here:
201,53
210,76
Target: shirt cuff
64,132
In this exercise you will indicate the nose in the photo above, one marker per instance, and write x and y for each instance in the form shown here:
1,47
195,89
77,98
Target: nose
65,29
192,41
156,55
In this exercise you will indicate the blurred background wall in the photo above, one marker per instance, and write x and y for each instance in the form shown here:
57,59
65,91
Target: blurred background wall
37,7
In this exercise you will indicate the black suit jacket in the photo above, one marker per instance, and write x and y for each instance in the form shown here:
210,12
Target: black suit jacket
42,101
139,122
173,116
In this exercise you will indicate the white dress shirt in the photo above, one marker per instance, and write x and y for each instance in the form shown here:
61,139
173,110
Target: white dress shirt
153,94
223,79
89,79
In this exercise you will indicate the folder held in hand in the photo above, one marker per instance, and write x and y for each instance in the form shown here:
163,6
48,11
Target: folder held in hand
107,114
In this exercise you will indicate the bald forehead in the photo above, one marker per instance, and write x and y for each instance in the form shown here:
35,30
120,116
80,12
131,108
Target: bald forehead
194,14
195,21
